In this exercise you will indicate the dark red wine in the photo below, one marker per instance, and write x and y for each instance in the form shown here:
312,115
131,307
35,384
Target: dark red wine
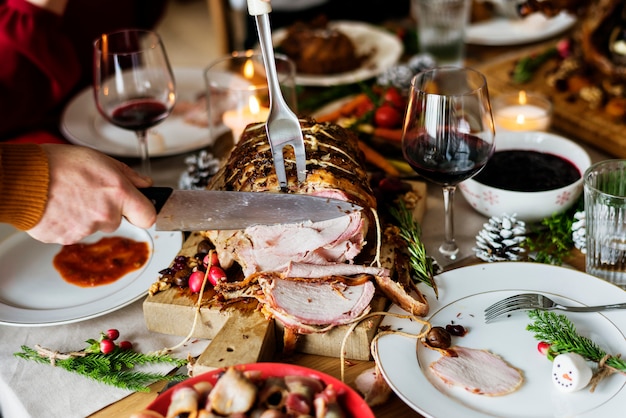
463,156
139,114
527,171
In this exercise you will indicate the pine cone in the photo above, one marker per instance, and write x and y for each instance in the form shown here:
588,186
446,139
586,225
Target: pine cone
400,75
579,232
200,168
501,239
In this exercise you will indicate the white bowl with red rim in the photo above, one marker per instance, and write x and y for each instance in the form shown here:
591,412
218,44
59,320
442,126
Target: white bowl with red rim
529,206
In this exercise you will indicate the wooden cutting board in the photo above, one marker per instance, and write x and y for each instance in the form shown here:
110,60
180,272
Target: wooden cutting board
239,333
573,118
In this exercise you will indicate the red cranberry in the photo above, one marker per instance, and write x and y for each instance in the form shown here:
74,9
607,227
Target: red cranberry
126,345
113,334
107,346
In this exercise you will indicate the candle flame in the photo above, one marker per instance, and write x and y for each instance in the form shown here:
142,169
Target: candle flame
248,69
254,105
522,97
105,45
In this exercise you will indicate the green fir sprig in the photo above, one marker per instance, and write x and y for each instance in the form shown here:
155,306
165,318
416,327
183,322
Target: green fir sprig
551,240
114,369
526,67
560,333
410,231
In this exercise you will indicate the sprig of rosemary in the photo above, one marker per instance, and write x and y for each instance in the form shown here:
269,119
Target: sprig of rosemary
410,230
560,333
114,369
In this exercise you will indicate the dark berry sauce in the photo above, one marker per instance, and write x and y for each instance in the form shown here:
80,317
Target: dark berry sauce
527,171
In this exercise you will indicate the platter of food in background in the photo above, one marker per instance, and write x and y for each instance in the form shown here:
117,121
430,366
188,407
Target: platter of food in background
489,27
376,116
338,52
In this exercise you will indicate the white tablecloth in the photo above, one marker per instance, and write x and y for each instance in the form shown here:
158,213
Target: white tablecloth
30,389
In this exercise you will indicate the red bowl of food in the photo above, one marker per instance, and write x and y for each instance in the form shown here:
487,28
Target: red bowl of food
264,386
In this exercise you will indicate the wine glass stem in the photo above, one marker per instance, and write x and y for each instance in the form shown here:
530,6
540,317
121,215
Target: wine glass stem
142,137
449,248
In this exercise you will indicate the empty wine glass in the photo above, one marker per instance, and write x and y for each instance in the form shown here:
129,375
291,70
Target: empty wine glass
448,133
133,83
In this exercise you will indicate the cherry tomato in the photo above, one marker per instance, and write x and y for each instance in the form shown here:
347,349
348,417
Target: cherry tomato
363,108
393,96
386,116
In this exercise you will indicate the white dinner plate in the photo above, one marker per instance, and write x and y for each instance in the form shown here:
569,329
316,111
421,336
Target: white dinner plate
503,31
81,124
464,293
33,293
385,49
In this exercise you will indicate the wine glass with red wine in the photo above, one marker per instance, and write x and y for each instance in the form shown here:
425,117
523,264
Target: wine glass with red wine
448,133
133,83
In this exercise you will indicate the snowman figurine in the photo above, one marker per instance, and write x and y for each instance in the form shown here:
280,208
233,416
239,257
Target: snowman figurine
570,372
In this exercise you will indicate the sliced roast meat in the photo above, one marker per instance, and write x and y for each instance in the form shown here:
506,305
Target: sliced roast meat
413,303
315,271
273,247
334,301
478,371
309,276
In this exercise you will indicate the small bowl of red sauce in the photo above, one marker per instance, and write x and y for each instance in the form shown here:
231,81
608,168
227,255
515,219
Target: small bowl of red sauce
533,175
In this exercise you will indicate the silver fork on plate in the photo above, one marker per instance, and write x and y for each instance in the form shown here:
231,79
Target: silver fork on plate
531,301
282,126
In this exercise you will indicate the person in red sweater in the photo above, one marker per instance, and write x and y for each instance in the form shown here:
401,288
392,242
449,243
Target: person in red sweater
46,56
61,193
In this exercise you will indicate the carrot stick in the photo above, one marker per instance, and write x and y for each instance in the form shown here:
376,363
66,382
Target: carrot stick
347,109
394,135
374,157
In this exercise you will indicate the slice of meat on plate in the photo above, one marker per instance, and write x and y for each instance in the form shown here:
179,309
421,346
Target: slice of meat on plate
478,371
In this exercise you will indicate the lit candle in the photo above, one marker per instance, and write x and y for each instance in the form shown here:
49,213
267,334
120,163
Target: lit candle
522,112
238,119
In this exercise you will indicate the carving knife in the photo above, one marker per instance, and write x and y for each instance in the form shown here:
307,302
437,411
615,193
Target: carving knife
201,210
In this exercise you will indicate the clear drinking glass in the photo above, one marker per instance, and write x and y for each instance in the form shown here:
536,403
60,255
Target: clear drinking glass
448,133
605,220
237,91
441,27
133,84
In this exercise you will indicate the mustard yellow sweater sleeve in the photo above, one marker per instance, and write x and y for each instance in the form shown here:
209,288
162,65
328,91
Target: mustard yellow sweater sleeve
24,180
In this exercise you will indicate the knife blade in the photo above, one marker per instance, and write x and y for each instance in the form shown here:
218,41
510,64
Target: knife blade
200,210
